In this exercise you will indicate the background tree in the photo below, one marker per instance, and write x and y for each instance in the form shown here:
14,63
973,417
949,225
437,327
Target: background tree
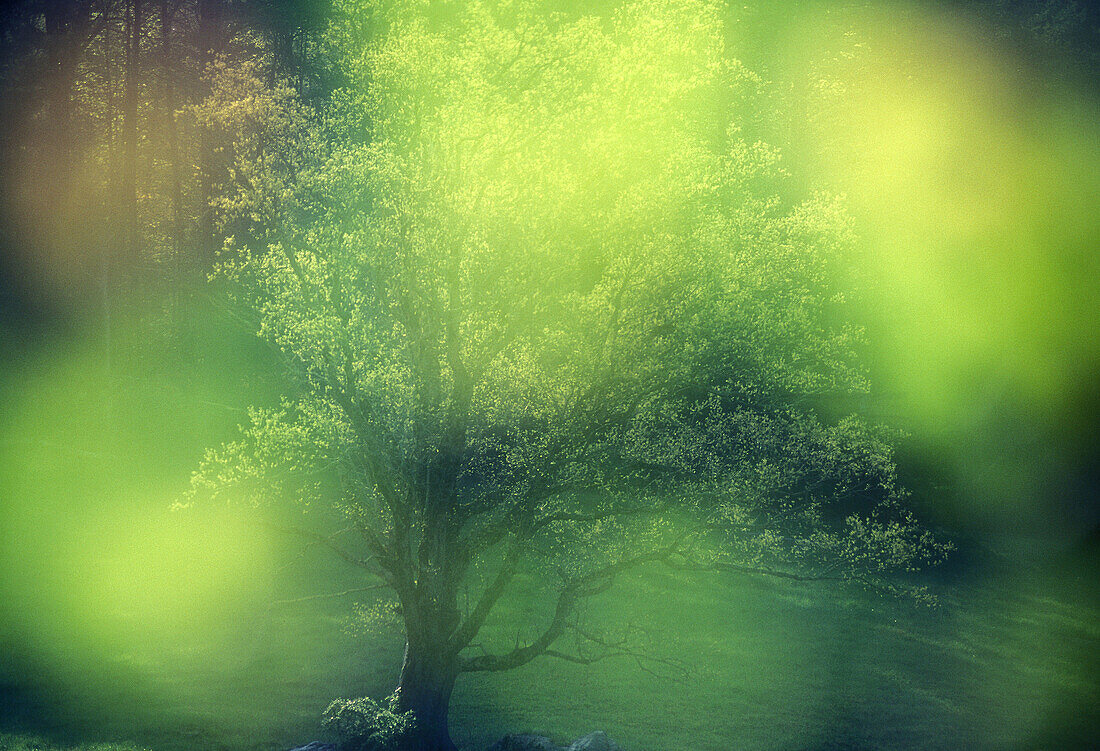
545,315
107,174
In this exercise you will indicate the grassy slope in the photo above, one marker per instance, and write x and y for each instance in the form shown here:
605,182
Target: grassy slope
772,667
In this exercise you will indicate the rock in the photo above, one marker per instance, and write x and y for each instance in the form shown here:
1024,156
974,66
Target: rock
315,746
524,742
596,741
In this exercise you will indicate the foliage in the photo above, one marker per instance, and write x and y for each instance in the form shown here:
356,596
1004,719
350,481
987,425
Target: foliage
267,128
365,725
548,255
554,313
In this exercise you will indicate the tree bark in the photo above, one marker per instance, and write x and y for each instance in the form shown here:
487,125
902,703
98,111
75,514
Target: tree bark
431,664
428,677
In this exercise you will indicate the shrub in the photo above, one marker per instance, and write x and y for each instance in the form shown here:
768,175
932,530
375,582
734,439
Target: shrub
366,725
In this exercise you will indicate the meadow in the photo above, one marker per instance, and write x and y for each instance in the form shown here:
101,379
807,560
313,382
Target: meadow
1004,662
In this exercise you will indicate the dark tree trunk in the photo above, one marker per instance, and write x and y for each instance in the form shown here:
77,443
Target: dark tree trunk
131,252
171,134
211,41
427,680
430,667
58,82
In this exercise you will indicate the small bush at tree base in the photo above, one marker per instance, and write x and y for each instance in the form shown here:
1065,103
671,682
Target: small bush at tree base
366,725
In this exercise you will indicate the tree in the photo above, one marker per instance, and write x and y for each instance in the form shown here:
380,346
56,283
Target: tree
549,309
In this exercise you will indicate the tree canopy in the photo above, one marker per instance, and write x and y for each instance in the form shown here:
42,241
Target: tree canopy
550,304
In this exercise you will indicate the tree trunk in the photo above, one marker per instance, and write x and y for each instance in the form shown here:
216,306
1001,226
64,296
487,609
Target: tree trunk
427,680
175,180
211,41
58,83
131,253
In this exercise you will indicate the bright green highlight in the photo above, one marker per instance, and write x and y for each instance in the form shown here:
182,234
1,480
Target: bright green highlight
974,185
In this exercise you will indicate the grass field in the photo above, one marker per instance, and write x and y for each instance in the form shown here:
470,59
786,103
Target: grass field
12,742
1002,664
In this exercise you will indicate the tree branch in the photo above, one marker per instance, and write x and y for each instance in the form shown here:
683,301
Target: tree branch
619,648
476,618
589,585
319,539
328,595
591,518
778,574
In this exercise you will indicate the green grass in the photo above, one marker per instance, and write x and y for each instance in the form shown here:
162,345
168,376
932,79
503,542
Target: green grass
772,667
9,742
